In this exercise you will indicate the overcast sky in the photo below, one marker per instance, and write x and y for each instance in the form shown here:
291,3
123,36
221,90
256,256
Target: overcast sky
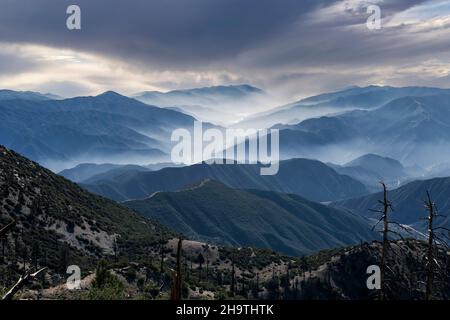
289,48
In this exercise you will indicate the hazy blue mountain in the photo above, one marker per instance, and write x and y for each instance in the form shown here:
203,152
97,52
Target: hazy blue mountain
26,95
91,172
105,128
213,212
84,171
370,97
115,174
369,178
206,95
407,129
384,166
162,165
407,202
218,104
370,169
308,178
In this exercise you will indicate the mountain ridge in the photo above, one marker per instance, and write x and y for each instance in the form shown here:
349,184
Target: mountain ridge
56,217
365,98
309,178
210,211
111,126
405,129
407,202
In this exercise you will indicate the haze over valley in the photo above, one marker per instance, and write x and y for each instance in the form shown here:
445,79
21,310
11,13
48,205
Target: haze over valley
214,150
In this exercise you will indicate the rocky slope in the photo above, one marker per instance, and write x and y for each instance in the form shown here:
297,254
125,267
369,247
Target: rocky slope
58,223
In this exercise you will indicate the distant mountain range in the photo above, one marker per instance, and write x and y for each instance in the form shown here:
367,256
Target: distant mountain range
370,169
370,97
308,178
85,171
105,127
26,95
385,167
89,172
213,212
203,96
404,124
407,129
407,202
219,104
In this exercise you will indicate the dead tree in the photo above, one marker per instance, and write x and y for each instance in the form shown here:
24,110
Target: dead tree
233,280
186,269
257,282
175,293
115,249
386,206
6,228
3,232
201,261
162,256
434,239
207,269
23,280
206,255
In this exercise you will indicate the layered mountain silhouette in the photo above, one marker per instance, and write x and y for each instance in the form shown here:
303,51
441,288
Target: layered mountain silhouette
308,178
86,171
407,129
287,223
89,129
26,95
380,165
370,169
370,97
202,96
218,104
89,172
408,203
405,124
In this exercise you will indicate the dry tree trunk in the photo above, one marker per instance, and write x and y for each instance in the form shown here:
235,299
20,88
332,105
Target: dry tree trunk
175,293
162,256
3,232
23,280
233,280
385,240
429,285
6,228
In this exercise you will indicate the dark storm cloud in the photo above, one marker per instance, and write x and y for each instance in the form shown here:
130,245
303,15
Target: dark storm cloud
168,32
264,41
171,33
346,43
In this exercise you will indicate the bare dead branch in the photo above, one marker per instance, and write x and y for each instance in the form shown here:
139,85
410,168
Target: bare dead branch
23,280
381,219
6,228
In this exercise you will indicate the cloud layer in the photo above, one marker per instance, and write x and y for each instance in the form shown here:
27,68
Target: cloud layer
293,48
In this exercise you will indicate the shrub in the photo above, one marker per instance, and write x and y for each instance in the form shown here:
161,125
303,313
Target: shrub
106,285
